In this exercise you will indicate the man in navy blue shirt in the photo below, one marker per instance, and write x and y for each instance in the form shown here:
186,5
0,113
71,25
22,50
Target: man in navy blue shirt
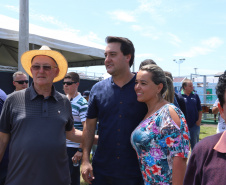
114,103
193,111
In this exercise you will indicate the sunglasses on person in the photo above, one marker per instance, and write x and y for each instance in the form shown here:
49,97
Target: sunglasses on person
69,83
45,67
22,81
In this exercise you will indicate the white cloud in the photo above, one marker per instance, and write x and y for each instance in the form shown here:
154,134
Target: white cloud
122,15
67,34
175,40
143,56
63,31
206,46
153,7
194,51
12,8
136,28
147,31
212,42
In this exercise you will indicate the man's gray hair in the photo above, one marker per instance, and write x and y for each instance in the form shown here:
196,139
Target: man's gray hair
18,73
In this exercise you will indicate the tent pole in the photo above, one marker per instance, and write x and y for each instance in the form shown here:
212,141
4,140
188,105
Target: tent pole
23,31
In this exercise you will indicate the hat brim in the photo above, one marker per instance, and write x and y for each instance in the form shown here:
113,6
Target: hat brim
57,56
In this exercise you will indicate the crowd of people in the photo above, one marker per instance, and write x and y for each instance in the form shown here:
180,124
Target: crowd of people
145,129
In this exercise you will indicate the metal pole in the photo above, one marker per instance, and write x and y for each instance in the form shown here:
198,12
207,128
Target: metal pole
179,62
23,31
179,68
204,92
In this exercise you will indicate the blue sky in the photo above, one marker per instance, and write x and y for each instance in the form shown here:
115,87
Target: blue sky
162,30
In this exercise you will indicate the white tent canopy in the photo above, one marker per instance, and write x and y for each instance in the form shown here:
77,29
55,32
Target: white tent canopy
77,55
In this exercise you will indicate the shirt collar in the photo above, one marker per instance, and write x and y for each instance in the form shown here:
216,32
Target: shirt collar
76,98
182,92
33,93
133,79
221,144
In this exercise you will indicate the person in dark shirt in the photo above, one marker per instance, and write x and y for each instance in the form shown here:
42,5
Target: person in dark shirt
193,111
207,163
114,103
37,121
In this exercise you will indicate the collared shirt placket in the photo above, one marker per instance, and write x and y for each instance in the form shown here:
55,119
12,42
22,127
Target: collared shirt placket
45,107
119,125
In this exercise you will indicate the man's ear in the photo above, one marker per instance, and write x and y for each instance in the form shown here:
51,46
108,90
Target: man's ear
57,72
128,57
221,110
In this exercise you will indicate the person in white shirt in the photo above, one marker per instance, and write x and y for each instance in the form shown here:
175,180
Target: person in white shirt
221,126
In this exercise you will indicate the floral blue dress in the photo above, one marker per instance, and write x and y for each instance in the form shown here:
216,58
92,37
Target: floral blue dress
157,140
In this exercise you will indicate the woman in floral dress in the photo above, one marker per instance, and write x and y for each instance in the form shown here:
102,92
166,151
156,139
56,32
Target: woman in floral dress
161,140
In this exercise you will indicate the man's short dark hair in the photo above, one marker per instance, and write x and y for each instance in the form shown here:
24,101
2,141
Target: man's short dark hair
146,62
73,76
185,83
220,88
126,46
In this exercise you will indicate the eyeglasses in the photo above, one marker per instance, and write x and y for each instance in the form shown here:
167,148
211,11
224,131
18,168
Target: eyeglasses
69,83
22,81
45,67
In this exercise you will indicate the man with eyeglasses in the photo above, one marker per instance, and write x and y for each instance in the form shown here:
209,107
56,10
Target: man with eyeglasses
20,80
37,121
79,107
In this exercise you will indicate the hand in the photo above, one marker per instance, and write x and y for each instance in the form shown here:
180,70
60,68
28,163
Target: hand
87,172
198,123
77,157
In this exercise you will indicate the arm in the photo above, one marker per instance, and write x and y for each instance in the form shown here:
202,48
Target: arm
179,168
215,110
199,107
74,135
78,155
179,162
200,118
87,138
4,140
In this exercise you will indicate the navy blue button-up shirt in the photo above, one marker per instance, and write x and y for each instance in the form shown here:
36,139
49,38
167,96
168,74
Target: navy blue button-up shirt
119,113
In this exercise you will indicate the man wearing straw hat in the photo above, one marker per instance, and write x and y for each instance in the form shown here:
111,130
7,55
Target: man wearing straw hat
38,120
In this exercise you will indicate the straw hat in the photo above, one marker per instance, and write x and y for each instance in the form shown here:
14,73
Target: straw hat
45,50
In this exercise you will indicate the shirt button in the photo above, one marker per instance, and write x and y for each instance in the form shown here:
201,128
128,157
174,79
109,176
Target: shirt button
120,102
118,130
118,144
118,157
120,116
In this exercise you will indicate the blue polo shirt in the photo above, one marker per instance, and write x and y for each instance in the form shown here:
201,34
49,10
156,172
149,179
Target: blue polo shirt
193,106
119,113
